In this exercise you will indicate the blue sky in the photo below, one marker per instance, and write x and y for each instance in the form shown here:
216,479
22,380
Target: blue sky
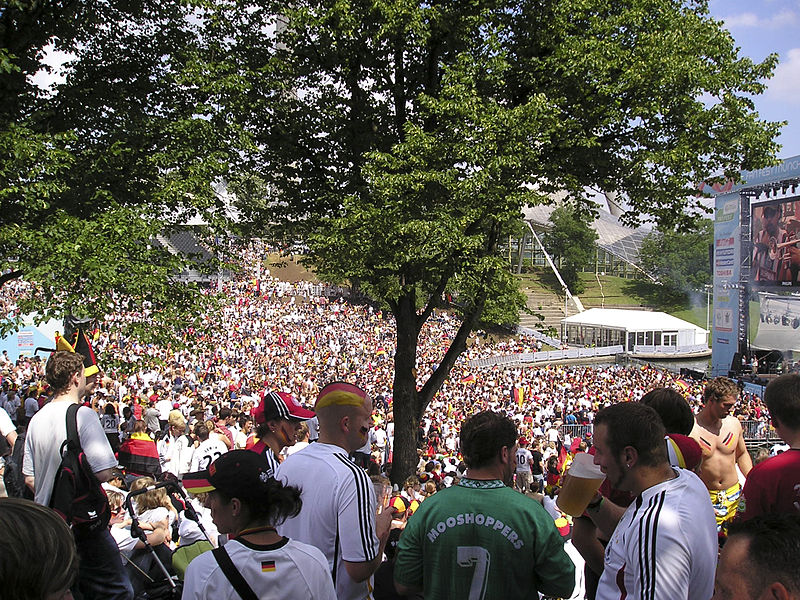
759,28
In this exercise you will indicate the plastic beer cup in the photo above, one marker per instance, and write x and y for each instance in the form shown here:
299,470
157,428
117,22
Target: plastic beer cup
581,482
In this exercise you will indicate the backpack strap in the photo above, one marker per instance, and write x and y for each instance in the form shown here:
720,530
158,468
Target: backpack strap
72,426
232,573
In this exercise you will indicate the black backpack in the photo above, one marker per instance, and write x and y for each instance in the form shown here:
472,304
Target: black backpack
77,494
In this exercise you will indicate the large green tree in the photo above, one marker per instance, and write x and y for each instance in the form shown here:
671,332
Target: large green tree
402,139
679,260
571,241
121,148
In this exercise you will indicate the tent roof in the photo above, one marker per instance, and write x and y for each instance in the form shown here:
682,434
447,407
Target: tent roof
631,320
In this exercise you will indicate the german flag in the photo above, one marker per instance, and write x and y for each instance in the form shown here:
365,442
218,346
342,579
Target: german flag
138,454
267,566
682,385
518,395
470,378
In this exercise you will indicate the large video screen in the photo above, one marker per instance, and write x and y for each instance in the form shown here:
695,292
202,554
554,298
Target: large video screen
775,227
778,326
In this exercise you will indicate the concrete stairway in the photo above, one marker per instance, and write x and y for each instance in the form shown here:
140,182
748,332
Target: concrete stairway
550,306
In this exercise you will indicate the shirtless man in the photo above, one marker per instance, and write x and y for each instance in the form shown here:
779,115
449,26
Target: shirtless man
720,437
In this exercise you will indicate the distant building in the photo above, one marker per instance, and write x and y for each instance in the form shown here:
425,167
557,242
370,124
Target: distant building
640,332
617,245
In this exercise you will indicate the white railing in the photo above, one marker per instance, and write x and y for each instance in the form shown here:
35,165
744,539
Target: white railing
550,341
536,357
646,349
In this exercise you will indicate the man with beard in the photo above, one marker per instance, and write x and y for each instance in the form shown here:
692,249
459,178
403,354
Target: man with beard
665,545
480,538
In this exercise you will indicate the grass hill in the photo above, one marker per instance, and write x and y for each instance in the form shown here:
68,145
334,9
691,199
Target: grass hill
616,292
608,292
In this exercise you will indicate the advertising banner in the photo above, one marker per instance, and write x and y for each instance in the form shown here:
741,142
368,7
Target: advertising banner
727,253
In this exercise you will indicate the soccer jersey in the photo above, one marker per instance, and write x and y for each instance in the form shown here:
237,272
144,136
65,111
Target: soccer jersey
524,459
481,539
272,461
207,452
772,486
338,514
288,569
665,546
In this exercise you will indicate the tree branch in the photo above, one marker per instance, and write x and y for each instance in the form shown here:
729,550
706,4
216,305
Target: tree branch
433,300
458,345
6,277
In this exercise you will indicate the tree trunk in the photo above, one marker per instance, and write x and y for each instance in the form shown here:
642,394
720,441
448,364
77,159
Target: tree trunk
406,401
408,404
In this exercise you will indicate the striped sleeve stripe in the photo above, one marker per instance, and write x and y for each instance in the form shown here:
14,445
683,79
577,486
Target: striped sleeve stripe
648,534
362,496
272,462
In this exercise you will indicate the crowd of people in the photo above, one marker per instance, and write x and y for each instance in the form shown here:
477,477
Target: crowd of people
280,440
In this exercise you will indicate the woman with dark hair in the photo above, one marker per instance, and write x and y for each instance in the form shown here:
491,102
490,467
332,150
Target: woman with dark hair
247,504
278,418
553,474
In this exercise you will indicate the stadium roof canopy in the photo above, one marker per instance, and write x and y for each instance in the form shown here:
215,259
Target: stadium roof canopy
612,236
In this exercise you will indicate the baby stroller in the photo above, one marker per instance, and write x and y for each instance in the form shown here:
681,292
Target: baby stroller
150,569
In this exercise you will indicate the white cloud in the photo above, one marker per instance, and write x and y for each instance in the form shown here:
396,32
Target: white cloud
749,20
785,85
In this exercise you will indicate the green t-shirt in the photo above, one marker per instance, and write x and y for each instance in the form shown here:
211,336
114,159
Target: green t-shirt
481,540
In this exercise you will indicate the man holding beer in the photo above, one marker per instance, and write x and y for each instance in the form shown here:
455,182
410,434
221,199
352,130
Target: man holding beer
665,545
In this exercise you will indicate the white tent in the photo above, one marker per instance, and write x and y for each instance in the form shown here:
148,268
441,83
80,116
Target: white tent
637,331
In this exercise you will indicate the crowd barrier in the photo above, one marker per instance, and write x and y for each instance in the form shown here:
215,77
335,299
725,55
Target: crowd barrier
754,431
543,337
535,357
695,349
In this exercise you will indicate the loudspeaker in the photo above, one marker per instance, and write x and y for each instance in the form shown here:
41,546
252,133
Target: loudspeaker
736,363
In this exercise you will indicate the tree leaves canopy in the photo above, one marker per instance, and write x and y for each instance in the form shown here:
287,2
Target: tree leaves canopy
679,259
571,241
119,149
403,139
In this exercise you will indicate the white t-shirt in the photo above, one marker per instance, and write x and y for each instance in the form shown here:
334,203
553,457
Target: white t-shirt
288,569
665,546
175,454
47,431
338,514
164,406
206,453
6,425
289,450
524,458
